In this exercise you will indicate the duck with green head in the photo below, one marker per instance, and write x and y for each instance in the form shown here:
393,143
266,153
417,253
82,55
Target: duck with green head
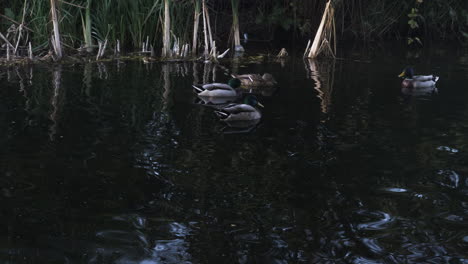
245,111
219,90
411,81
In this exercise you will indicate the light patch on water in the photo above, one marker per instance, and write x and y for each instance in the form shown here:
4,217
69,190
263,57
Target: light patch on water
395,190
454,218
447,149
419,195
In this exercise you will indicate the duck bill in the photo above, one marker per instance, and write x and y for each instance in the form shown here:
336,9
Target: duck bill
259,104
402,75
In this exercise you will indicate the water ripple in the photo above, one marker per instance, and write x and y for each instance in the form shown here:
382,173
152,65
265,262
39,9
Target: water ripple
384,219
450,178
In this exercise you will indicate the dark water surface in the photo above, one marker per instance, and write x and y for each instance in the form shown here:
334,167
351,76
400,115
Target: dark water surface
114,163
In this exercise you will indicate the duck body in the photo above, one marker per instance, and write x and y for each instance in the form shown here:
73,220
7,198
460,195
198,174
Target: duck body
240,112
215,90
256,80
412,81
218,90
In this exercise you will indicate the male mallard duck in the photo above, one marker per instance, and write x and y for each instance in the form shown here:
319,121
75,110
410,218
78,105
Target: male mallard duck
248,80
218,89
241,112
417,81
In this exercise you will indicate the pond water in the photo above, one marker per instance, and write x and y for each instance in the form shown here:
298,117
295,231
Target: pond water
117,163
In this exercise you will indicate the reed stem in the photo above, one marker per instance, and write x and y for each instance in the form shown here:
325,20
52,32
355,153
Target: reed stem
166,52
56,37
196,22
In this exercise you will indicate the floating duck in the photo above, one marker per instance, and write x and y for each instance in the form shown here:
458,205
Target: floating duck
246,111
219,90
412,81
256,80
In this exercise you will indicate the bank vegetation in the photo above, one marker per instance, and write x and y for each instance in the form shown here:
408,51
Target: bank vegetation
208,29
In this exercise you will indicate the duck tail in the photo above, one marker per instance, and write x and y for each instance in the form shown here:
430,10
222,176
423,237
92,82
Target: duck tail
197,89
221,114
435,78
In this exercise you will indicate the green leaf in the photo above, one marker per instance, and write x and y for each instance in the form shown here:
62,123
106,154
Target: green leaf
9,13
413,24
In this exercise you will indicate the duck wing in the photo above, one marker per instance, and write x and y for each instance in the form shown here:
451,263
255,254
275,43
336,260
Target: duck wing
239,108
424,84
425,78
216,86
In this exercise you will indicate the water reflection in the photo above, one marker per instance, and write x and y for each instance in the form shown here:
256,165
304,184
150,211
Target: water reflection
113,163
323,76
56,100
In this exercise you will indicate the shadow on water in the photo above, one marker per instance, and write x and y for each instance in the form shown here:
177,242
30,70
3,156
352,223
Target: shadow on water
114,163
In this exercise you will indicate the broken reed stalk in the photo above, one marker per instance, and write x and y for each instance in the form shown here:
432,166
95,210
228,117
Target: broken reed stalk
282,54
20,28
99,49
166,52
196,22
30,53
16,22
56,38
223,54
213,53
102,49
6,40
117,48
325,33
20,31
307,49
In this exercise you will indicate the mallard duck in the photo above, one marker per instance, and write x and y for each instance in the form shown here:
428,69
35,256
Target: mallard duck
248,80
417,81
241,112
218,89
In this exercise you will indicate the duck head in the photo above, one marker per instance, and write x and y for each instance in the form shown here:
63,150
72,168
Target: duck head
408,72
252,100
234,83
268,77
